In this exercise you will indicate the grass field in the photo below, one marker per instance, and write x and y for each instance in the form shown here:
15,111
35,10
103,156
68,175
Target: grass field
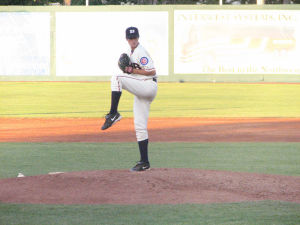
62,99
42,158
265,212
66,99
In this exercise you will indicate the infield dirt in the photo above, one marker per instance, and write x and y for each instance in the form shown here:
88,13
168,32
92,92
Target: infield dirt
160,130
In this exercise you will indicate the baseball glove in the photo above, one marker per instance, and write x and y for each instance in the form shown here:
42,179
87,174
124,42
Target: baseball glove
124,63
135,66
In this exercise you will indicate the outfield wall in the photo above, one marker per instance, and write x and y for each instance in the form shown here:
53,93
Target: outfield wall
191,43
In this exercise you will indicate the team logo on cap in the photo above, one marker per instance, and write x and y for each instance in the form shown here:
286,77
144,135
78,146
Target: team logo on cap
144,60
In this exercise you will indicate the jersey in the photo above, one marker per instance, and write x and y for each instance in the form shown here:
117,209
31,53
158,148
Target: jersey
141,58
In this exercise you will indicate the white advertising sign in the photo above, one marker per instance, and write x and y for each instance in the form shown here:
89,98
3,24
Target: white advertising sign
24,43
90,43
237,42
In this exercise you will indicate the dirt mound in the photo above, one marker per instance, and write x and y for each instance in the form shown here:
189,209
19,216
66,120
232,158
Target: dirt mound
157,186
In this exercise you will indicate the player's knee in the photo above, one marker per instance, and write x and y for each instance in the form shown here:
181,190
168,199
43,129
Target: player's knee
114,78
116,85
117,78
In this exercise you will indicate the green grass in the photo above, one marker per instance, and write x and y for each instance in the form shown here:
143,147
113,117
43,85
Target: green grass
77,99
264,212
41,158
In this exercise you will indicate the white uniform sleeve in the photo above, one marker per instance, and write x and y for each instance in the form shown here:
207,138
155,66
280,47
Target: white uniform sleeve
145,61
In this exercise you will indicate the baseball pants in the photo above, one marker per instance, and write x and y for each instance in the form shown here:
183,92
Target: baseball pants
144,91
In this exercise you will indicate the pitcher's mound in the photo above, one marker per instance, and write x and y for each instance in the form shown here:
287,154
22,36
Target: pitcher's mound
157,186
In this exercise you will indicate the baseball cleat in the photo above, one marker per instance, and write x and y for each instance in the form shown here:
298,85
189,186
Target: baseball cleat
111,119
140,166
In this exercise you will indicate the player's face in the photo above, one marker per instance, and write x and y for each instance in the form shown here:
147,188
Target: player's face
133,42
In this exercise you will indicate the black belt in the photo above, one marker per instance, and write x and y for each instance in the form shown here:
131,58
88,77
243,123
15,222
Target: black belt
155,80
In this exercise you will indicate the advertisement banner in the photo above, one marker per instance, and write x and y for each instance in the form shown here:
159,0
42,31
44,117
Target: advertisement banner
90,43
236,42
24,43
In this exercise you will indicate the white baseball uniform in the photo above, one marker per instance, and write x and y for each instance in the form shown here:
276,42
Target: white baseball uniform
144,89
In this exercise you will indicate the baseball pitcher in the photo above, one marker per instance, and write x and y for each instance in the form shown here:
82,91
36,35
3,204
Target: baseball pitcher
139,78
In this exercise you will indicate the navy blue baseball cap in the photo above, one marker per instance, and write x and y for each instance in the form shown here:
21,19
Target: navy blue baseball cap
132,33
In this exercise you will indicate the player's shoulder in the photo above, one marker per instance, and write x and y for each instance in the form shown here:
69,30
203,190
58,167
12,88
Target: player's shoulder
140,48
143,52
